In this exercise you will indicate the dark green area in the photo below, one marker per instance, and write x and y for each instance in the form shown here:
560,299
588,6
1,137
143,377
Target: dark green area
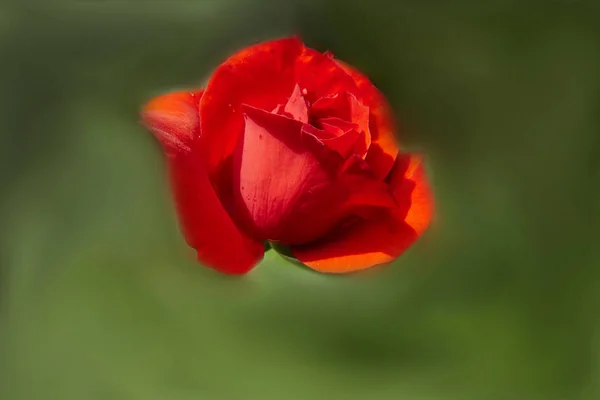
100,298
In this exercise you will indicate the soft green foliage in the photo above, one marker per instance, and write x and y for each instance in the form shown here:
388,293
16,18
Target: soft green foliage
499,300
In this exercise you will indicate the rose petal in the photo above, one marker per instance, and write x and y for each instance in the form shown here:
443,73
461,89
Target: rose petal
344,106
207,227
173,119
343,143
363,245
296,106
261,76
366,189
384,146
320,76
336,126
411,188
348,143
382,239
360,144
283,187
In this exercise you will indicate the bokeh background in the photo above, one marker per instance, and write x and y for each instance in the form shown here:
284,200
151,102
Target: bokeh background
100,298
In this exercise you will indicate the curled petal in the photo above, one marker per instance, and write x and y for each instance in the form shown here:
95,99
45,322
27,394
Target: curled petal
362,142
346,107
335,127
384,146
412,191
344,143
296,106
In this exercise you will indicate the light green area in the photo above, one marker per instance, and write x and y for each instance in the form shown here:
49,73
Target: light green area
500,299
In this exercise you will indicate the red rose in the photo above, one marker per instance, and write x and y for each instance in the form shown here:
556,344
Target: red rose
289,146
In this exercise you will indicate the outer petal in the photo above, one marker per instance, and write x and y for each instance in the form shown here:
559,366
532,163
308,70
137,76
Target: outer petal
411,188
173,119
207,227
362,245
381,239
205,224
318,75
261,76
384,147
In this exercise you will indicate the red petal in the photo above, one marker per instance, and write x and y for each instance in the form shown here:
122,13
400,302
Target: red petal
367,190
320,76
344,106
296,106
384,147
411,189
207,227
363,245
173,119
361,143
336,126
261,76
343,143
378,240
283,186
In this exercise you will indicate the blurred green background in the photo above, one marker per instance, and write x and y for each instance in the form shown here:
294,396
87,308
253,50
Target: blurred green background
100,298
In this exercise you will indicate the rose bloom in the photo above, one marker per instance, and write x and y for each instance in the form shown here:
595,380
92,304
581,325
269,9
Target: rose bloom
291,147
